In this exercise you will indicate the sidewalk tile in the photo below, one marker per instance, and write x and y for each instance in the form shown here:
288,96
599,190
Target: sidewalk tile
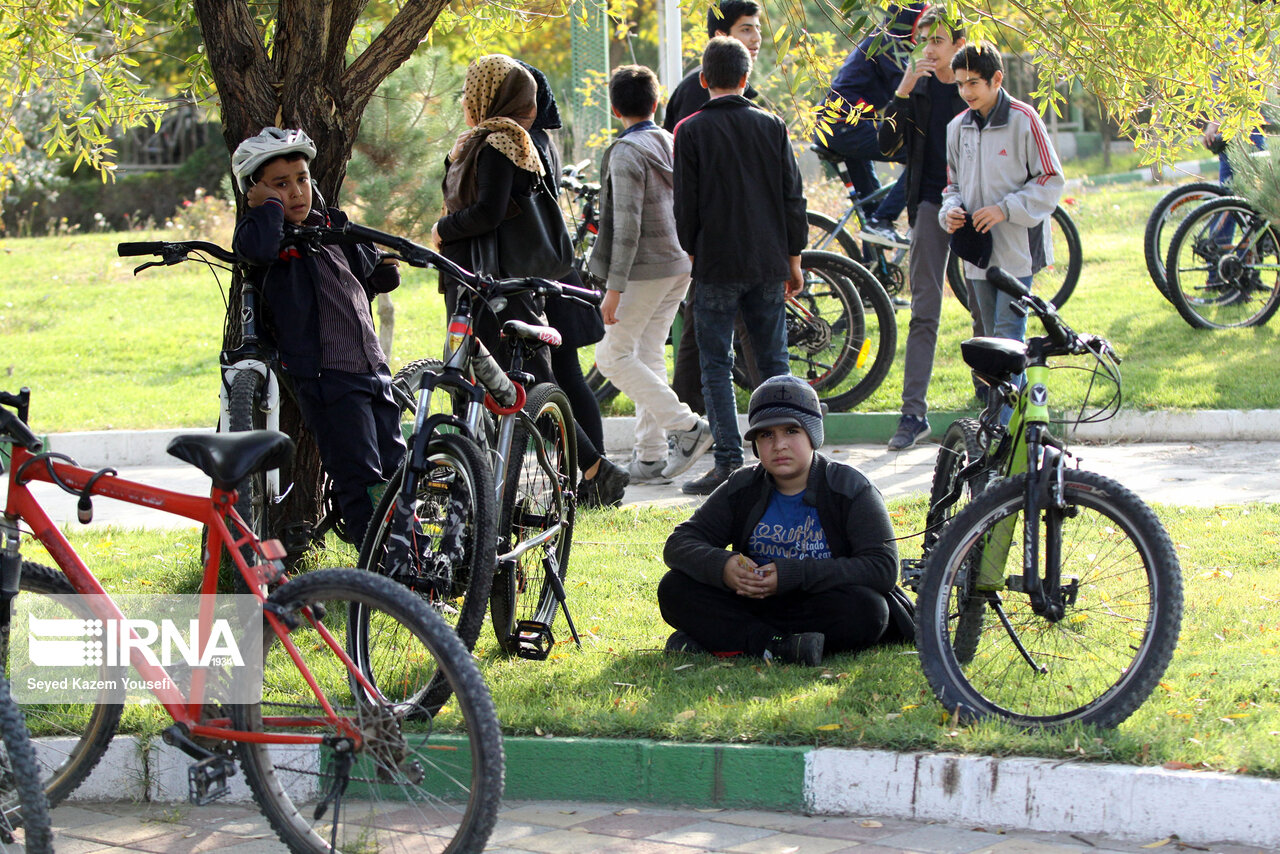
636,824
189,840
943,839
69,817
711,834
118,831
790,843
557,815
863,829
767,820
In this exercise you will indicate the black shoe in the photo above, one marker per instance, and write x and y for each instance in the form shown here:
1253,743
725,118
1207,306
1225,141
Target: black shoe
707,484
682,642
606,488
804,648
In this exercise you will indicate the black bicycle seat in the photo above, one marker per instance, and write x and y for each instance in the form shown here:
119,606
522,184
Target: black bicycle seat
548,335
825,153
229,458
998,358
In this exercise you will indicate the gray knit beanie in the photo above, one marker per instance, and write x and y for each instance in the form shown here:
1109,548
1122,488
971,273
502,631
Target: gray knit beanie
785,400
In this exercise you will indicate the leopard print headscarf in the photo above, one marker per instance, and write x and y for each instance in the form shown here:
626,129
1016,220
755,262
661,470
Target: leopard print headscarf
499,100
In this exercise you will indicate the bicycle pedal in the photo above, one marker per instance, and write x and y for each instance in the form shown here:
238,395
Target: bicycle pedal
207,779
911,572
533,640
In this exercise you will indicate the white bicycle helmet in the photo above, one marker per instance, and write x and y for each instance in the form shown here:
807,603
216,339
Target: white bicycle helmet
271,142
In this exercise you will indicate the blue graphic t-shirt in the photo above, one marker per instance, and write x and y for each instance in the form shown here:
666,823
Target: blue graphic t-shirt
789,528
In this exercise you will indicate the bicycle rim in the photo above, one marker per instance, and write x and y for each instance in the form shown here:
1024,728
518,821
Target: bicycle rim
533,500
1223,269
1168,213
1101,660
413,785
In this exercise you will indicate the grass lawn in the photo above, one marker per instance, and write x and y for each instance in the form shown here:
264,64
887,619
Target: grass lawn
1216,707
103,349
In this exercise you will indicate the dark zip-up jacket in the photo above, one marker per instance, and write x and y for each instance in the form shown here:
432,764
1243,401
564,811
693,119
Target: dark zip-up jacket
739,200
288,281
851,510
906,121
688,97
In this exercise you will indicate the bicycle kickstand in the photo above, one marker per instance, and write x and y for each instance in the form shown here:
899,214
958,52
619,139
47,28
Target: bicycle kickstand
552,567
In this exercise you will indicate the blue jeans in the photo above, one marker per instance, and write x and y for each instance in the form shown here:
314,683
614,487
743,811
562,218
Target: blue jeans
715,306
859,144
991,310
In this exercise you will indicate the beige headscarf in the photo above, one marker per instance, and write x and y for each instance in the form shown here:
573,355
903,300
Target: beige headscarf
499,102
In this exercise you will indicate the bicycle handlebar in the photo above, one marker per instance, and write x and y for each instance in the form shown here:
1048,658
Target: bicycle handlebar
174,253
1063,338
13,426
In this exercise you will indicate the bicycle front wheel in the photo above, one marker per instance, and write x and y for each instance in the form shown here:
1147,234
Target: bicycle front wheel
1166,216
827,235
22,800
245,413
1121,588
380,781
441,543
536,498
1059,278
1223,268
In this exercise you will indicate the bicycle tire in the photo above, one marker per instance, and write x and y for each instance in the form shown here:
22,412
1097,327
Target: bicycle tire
22,799
1168,213
825,235
857,356
962,444
1060,279
531,503
399,801
1211,280
1128,587
81,732
244,414
454,533
407,382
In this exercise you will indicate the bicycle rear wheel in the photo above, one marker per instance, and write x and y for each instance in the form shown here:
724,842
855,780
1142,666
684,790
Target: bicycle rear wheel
403,785
541,472
1223,267
1058,279
74,735
1166,216
843,341
22,800
826,235
441,544
1121,589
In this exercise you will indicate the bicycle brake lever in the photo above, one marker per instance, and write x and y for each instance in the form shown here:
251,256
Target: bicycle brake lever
138,269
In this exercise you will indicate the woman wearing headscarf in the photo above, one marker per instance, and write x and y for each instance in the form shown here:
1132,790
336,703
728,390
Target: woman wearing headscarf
493,167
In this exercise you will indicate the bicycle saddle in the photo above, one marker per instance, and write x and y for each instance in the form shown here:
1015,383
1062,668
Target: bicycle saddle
229,458
1000,358
825,153
540,334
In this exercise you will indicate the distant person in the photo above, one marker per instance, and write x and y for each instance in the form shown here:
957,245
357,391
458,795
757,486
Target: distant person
646,275
739,19
318,316
791,559
493,168
1004,180
861,88
915,124
740,214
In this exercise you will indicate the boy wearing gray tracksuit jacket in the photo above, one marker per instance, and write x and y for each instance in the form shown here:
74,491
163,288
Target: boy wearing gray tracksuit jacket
646,275
1004,178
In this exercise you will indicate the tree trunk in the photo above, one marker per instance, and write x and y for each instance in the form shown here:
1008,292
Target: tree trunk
386,323
303,81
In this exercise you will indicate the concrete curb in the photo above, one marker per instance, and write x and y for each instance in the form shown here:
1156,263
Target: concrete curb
1013,793
147,447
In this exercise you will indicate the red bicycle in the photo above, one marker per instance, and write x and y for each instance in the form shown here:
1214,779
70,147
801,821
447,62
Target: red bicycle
340,753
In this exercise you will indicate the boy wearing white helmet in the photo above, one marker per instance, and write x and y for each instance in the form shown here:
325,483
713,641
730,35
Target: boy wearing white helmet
791,558
319,318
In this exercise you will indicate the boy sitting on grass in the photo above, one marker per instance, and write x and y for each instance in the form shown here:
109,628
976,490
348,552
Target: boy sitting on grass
789,559
319,317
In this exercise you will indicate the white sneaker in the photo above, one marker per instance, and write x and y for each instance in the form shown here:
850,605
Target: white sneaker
647,471
686,447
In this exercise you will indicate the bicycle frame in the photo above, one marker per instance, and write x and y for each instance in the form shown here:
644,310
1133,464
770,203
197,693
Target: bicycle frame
215,511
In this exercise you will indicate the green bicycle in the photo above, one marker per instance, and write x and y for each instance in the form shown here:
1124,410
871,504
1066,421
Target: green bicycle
1055,595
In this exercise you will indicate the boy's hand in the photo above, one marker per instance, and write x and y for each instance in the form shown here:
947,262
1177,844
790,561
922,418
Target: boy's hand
916,68
609,307
260,192
1210,131
744,577
984,218
955,220
435,236
795,279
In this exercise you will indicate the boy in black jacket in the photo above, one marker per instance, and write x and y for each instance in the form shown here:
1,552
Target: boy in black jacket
789,558
318,313
740,214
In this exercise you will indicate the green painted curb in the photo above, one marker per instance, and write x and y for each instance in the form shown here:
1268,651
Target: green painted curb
700,775
850,427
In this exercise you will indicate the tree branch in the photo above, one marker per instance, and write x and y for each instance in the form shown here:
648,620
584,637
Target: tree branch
388,51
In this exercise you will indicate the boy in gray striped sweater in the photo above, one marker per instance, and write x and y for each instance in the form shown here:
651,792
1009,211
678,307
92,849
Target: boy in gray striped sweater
646,274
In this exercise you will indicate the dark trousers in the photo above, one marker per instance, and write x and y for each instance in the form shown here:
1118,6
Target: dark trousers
686,379
586,411
851,617
356,424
